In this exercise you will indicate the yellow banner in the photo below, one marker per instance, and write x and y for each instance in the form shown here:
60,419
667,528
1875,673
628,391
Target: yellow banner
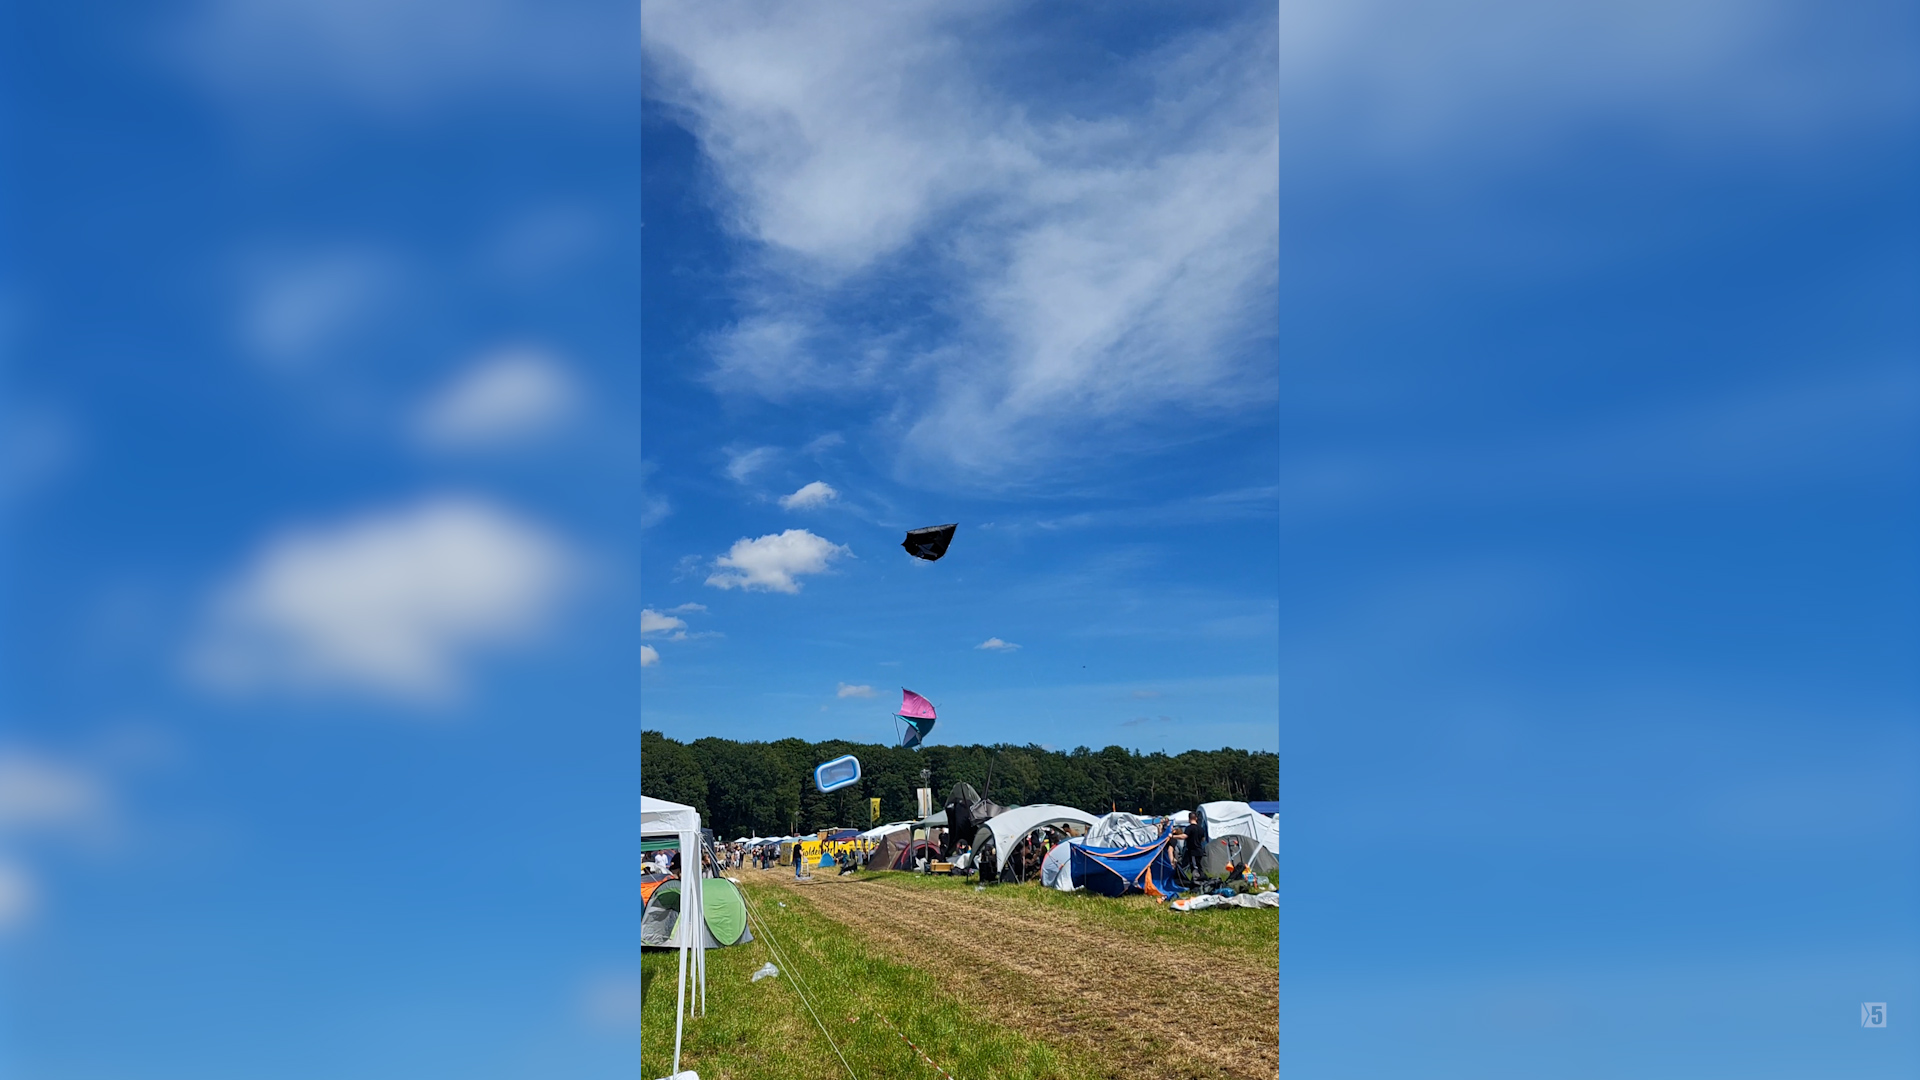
873,811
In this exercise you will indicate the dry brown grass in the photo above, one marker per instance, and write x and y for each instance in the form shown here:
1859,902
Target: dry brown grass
1179,1011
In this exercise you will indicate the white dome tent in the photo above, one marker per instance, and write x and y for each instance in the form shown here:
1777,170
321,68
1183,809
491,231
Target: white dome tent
1009,827
658,817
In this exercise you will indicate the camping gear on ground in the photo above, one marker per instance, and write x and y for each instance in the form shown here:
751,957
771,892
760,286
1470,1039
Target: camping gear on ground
1117,871
1122,829
929,543
1238,837
836,774
1203,901
766,971
1007,829
660,818
662,924
917,712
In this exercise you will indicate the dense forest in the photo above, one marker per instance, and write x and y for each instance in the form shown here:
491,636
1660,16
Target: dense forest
766,788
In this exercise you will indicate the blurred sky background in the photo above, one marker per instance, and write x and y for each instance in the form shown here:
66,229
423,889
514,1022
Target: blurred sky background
1515,402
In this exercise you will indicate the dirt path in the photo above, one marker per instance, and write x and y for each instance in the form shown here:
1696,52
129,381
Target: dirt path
1156,1010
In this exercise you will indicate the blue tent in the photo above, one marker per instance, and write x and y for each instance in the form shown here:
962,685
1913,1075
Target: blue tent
1117,871
1270,808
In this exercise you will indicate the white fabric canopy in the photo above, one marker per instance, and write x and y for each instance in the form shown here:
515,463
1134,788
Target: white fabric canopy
879,831
1239,819
658,817
1009,827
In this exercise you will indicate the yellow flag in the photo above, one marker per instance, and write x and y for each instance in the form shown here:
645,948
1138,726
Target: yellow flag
873,811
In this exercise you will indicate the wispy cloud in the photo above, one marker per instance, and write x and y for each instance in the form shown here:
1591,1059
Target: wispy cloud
19,896
653,622
862,691
649,656
402,59
301,305
1109,268
818,493
744,463
994,644
393,603
774,561
508,397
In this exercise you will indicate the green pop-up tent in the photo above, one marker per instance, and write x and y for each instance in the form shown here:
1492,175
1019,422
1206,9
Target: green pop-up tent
725,923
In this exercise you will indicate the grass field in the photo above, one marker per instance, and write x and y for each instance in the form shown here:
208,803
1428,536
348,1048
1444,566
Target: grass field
1006,983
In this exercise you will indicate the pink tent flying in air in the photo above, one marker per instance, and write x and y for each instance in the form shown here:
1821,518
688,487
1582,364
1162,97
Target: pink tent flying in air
918,713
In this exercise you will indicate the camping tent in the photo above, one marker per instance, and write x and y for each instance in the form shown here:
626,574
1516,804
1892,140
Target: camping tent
1117,871
1236,835
1271,809
881,831
1122,829
1056,870
898,850
660,818
725,921
1008,828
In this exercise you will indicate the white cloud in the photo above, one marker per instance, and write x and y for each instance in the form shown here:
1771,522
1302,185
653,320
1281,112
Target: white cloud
994,644
742,464
508,397
847,691
37,446
301,306
1108,266
402,58
815,494
688,607
18,896
653,622
649,656
394,603
39,793
773,561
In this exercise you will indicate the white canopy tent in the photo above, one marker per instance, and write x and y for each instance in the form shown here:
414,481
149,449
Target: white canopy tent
879,831
1007,828
658,817
1239,819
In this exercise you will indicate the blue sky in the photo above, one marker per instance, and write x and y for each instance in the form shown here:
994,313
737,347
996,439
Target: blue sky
1031,293
1506,413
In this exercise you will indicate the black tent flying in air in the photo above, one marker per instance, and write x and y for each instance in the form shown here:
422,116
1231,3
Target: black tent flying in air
929,543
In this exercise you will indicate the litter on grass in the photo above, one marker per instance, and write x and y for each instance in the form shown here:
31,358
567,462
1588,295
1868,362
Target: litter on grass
766,971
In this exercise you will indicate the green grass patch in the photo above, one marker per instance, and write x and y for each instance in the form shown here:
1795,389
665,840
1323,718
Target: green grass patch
762,1031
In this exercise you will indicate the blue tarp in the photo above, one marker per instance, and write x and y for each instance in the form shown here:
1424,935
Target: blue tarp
1265,807
842,834
1117,871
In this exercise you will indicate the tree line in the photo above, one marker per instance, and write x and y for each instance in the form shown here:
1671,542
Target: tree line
766,788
